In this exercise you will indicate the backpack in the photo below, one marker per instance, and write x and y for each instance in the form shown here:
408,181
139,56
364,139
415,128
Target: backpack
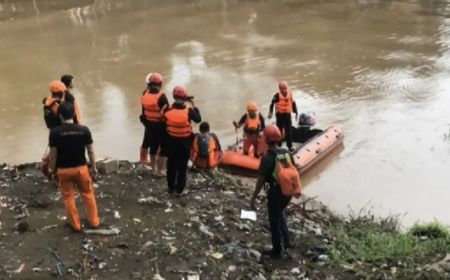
286,174
203,145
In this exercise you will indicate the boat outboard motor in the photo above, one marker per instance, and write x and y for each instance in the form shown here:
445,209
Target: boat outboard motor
304,131
307,120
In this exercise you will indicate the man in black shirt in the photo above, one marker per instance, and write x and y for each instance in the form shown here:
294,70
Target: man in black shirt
276,201
67,80
68,143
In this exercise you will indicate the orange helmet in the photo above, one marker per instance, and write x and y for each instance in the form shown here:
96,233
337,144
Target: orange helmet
180,92
252,106
282,85
272,134
56,86
154,78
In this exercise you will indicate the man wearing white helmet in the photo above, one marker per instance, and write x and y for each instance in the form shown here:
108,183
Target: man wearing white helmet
153,101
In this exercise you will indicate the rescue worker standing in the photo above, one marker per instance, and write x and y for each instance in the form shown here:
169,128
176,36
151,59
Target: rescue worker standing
68,144
67,80
51,104
153,102
276,201
178,121
285,105
253,123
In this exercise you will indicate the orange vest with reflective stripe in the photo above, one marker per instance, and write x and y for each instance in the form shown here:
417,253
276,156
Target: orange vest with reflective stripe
284,104
252,125
178,124
149,102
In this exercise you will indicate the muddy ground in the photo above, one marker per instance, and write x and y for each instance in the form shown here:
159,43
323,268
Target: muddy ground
196,236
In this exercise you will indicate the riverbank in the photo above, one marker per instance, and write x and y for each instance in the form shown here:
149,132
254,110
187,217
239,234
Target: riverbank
199,235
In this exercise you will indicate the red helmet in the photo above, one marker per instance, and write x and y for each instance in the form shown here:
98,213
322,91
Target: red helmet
283,86
56,86
180,92
154,78
272,134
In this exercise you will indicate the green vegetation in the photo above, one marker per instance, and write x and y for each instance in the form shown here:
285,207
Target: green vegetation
370,240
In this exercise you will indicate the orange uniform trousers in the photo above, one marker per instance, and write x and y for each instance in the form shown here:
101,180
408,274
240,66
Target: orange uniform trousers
249,141
70,179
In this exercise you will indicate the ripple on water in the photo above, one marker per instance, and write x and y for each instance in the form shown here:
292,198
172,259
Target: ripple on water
404,84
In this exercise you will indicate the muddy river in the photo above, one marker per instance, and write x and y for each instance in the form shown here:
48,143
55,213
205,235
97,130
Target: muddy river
380,69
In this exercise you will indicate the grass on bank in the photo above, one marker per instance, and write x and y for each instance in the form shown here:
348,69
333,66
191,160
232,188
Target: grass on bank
371,240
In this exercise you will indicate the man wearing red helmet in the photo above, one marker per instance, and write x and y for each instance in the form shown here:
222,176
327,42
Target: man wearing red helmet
178,122
276,201
153,102
285,105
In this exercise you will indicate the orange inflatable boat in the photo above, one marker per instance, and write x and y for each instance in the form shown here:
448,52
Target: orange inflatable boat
305,154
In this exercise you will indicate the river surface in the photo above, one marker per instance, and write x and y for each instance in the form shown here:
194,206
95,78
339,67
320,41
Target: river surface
380,69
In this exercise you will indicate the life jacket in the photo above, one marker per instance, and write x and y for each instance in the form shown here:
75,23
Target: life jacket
149,102
178,124
252,125
205,151
284,104
286,175
51,106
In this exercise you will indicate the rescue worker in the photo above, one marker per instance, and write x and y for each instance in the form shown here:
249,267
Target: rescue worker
276,201
206,149
153,102
285,105
178,121
51,104
67,80
253,123
68,144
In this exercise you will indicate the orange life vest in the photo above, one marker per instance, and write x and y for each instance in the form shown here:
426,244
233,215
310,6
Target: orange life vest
284,104
152,111
178,124
207,160
252,125
286,175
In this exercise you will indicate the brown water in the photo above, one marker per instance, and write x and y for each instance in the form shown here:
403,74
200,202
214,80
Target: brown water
381,69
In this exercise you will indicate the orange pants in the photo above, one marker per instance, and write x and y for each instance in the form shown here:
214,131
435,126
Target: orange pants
78,177
249,141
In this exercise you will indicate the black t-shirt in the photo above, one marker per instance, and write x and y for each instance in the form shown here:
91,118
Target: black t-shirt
71,141
267,164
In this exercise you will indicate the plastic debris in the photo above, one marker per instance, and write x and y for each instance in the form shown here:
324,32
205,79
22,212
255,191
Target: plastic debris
193,277
111,231
217,255
205,230
116,214
248,215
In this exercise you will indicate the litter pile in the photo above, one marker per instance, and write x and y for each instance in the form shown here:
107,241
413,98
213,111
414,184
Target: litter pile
151,235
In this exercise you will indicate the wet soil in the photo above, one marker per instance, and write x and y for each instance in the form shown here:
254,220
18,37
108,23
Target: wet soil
197,236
